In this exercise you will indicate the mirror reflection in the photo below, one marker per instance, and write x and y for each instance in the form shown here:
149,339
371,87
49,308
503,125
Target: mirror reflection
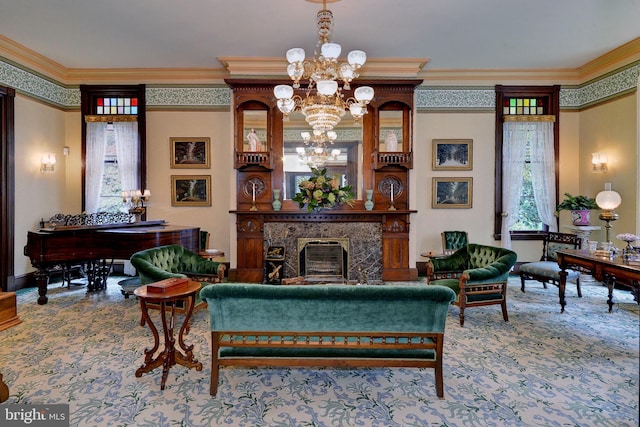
339,153
254,130
391,137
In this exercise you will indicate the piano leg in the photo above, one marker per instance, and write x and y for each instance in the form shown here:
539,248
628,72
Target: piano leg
42,279
97,274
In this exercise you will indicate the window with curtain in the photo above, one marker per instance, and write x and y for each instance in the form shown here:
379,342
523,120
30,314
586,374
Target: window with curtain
113,145
526,162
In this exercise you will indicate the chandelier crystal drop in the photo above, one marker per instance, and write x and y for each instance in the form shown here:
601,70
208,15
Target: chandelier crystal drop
323,104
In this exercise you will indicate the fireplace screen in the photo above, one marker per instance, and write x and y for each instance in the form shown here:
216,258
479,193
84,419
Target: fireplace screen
323,259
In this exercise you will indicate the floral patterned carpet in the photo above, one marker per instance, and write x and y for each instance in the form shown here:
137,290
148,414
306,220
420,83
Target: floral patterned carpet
542,368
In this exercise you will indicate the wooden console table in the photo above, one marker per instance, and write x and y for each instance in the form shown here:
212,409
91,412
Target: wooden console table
170,356
606,270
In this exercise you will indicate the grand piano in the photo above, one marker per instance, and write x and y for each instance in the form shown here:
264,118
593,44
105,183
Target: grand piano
47,248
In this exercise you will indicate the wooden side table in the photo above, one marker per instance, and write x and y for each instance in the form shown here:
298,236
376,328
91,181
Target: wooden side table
171,355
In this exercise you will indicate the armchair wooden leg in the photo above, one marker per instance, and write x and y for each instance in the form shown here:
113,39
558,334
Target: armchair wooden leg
505,316
578,286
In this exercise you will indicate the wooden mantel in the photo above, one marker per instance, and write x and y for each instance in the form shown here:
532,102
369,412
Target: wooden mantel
395,238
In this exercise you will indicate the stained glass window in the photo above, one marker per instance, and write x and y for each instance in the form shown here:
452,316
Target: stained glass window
111,105
523,106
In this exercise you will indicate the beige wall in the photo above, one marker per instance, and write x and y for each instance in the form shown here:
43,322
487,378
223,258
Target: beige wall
161,126
38,129
612,128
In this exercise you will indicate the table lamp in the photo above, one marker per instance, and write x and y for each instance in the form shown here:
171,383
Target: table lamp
608,200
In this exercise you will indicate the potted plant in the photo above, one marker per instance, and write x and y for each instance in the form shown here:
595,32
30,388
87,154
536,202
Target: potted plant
579,207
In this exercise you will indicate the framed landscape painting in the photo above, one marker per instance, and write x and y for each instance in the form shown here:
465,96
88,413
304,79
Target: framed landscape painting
452,154
190,190
190,153
452,193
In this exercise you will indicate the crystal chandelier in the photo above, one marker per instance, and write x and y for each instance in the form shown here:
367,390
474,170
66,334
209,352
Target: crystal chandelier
317,152
324,105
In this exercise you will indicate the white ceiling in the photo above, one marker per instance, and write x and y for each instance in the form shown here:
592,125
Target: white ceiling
453,34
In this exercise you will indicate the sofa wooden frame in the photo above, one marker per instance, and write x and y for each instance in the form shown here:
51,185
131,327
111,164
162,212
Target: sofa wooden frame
334,341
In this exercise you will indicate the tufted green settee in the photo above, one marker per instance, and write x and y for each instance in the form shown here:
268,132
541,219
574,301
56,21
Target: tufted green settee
327,325
476,273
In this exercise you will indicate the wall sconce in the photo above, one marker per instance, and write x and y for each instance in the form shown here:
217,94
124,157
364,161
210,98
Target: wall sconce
48,163
599,162
608,200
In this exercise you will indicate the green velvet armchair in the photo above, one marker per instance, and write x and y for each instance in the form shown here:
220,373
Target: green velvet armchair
476,273
168,261
453,240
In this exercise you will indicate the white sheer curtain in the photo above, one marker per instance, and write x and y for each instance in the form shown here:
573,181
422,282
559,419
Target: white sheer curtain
543,174
514,146
96,143
126,138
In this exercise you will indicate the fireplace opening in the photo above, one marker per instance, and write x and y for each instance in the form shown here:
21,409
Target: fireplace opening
323,260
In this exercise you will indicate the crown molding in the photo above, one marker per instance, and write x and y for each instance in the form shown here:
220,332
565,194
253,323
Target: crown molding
238,66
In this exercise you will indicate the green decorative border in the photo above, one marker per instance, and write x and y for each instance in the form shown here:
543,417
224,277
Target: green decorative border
435,98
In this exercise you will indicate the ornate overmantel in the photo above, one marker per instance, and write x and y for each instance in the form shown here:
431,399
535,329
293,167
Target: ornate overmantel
379,238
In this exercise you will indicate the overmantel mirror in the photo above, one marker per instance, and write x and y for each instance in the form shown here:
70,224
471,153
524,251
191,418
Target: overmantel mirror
341,157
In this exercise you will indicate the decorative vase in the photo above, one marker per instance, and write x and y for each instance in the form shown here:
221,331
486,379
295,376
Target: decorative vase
580,217
368,205
276,204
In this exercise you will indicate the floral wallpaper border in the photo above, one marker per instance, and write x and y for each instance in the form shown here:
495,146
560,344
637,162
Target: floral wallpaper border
219,97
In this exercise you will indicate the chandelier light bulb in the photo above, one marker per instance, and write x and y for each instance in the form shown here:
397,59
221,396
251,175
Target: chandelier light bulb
363,94
332,135
331,51
357,58
356,110
295,54
306,136
283,91
327,87
286,105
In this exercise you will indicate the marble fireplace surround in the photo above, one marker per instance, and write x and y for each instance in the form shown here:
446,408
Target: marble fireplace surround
365,244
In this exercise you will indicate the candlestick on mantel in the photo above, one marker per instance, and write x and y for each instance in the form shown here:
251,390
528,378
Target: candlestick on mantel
253,197
392,206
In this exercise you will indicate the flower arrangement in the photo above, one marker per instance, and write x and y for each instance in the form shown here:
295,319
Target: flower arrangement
322,191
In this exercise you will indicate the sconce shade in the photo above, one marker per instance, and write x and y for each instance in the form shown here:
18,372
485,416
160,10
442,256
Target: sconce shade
599,162
48,163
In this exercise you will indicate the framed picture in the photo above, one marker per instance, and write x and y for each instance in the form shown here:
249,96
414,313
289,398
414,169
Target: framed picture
452,154
452,193
190,153
190,190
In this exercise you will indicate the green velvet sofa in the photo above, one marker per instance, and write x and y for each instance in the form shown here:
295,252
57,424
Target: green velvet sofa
327,325
478,274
